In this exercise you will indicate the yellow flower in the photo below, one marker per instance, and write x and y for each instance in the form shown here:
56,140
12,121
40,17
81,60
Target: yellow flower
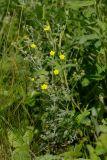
44,86
33,45
62,56
32,79
47,28
56,71
52,53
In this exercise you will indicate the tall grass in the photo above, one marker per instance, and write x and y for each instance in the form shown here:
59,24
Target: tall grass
53,79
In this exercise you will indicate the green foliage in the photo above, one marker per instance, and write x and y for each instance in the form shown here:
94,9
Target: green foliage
59,124
80,4
20,143
53,107
101,147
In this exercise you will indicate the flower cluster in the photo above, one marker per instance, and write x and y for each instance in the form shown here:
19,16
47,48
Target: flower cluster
52,53
61,56
55,71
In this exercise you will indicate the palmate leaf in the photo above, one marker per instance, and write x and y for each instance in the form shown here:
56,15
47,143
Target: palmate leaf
72,153
81,118
15,139
101,147
20,144
100,69
21,153
78,4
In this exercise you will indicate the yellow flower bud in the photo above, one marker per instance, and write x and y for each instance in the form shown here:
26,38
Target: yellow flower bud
32,79
47,28
33,45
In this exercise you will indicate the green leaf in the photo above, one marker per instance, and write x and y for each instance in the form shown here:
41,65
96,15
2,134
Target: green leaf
100,69
72,153
103,128
103,140
28,136
15,139
78,147
100,149
97,77
21,153
86,38
78,4
68,66
92,153
82,117
42,72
